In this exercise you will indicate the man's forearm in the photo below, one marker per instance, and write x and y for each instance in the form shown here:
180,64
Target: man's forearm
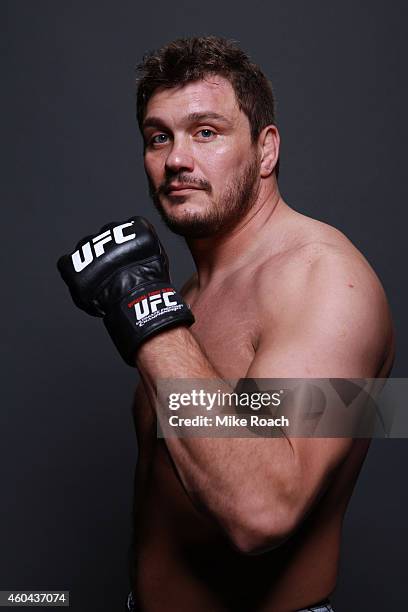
227,476
175,353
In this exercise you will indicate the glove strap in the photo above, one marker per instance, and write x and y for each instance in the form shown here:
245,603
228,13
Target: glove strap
144,312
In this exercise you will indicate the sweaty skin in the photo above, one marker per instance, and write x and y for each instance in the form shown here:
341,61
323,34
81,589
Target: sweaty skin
241,524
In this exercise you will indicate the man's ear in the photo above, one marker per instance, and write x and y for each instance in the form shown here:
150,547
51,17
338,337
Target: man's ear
268,142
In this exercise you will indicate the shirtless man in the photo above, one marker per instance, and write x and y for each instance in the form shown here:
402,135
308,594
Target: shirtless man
239,524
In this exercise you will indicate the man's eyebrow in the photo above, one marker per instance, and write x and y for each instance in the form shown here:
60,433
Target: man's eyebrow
157,122
197,117
154,122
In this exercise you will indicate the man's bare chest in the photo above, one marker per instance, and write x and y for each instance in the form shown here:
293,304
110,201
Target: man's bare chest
226,326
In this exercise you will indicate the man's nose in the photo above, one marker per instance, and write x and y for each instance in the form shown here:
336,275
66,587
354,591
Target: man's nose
180,157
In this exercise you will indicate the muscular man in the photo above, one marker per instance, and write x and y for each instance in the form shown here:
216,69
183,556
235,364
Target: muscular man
240,524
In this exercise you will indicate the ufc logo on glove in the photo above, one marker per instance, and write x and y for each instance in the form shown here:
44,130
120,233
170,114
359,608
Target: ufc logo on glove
98,243
122,275
148,304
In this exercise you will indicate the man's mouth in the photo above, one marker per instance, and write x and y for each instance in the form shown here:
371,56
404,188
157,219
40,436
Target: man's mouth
180,189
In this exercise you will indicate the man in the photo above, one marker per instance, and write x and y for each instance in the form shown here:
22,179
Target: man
233,524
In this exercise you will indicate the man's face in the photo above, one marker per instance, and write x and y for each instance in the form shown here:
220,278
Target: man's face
202,167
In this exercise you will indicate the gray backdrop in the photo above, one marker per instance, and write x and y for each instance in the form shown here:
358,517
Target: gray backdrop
72,162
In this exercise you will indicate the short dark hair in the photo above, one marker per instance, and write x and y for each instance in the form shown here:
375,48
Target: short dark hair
191,59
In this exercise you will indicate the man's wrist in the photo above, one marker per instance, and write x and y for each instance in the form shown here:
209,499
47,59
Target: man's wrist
155,346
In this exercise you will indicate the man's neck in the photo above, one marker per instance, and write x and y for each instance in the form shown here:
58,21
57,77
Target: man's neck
217,256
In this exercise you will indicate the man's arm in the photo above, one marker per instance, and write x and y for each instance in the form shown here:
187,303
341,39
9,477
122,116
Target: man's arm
334,324
332,320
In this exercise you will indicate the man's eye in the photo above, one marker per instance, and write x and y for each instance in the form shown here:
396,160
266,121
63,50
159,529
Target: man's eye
159,139
206,133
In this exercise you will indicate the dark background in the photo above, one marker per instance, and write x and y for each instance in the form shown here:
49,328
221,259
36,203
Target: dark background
72,162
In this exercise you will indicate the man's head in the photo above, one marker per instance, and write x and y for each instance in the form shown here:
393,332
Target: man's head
207,115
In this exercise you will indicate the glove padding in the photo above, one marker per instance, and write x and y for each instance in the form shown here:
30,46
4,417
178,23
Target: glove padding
122,275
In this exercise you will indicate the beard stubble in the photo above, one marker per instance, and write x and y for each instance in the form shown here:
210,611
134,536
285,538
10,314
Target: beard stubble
221,215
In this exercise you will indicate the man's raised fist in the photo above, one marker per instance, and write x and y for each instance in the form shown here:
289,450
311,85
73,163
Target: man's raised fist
122,275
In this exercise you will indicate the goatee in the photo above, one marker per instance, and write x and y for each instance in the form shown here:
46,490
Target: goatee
221,215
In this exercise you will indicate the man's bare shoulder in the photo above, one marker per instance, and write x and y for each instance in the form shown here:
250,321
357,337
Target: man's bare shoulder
321,282
313,247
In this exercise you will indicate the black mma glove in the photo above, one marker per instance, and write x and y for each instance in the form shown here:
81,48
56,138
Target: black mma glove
122,275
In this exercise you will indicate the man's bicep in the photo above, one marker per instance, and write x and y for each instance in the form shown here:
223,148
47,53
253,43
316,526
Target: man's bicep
329,332
314,458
